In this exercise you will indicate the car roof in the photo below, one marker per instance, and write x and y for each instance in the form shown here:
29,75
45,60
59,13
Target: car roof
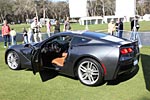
97,36
85,33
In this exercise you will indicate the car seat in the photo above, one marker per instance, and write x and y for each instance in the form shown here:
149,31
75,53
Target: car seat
60,60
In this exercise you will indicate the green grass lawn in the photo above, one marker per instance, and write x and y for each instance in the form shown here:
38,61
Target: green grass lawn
144,26
23,85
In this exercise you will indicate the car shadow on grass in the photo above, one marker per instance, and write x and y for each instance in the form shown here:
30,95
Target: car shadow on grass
48,74
145,60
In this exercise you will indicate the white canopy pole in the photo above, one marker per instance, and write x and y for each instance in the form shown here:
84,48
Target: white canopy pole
135,32
86,26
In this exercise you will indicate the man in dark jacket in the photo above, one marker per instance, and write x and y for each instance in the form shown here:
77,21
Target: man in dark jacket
120,28
136,23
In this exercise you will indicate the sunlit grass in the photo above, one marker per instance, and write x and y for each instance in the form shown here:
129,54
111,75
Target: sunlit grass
23,85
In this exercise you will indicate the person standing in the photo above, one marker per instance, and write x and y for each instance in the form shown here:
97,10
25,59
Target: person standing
6,34
56,27
35,26
13,36
30,35
120,28
135,23
116,25
134,30
111,27
39,32
25,36
48,27
67,25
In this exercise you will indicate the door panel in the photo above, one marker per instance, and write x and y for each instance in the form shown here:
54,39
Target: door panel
43,56
36,61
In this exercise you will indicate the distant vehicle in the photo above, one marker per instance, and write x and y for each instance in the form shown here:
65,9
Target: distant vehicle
29,21
93,58
52,21
43,21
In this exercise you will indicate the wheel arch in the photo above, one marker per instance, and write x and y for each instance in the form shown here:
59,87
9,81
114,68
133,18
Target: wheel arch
88,56
9,50
6,53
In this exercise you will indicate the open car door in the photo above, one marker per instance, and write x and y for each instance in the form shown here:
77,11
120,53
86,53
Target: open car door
36,60
54,50
37,66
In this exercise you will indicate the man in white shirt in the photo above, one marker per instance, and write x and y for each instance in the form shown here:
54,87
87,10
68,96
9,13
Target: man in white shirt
35,26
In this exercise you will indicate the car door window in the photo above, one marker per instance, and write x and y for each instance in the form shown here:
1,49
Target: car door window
62,39
62,42
80,40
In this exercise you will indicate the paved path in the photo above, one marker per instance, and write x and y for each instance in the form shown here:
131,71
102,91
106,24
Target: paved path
144,36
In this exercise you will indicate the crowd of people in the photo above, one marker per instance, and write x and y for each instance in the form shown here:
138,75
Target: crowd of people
33,34
117,28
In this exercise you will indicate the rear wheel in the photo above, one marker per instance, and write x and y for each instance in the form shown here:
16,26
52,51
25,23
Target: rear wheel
13,60
90,72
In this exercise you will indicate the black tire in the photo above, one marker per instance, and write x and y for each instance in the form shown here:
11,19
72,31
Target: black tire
90,72
13,60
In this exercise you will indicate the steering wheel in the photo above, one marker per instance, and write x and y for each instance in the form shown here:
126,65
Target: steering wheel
45,49
56,47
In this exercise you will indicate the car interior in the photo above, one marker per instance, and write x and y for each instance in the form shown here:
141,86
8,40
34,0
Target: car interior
55,51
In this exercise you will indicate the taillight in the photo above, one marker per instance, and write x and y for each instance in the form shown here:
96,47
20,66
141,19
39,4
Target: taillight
126,50
129,50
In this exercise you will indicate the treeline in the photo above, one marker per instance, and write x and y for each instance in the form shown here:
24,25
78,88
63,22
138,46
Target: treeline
20,10
107,7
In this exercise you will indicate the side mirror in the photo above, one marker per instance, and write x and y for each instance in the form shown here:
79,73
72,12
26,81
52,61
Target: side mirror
28,45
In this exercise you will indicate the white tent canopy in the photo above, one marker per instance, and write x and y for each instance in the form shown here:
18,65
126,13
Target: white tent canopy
125,8
77,8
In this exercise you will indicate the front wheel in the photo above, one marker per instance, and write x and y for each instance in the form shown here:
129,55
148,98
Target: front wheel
90,72
13,60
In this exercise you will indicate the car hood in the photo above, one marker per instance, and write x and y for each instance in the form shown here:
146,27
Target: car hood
20,46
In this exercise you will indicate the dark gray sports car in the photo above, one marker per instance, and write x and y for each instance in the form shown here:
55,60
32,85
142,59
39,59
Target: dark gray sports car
93,58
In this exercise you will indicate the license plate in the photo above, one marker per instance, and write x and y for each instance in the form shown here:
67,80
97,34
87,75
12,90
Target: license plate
135,62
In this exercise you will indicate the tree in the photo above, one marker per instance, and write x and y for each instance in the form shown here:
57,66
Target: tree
143,7
5,9
101,7
14,10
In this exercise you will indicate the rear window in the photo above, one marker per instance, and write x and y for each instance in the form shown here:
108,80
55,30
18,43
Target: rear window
104,36
95,34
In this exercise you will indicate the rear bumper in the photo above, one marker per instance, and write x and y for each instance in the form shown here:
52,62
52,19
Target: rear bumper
129,73
127,67
124,76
